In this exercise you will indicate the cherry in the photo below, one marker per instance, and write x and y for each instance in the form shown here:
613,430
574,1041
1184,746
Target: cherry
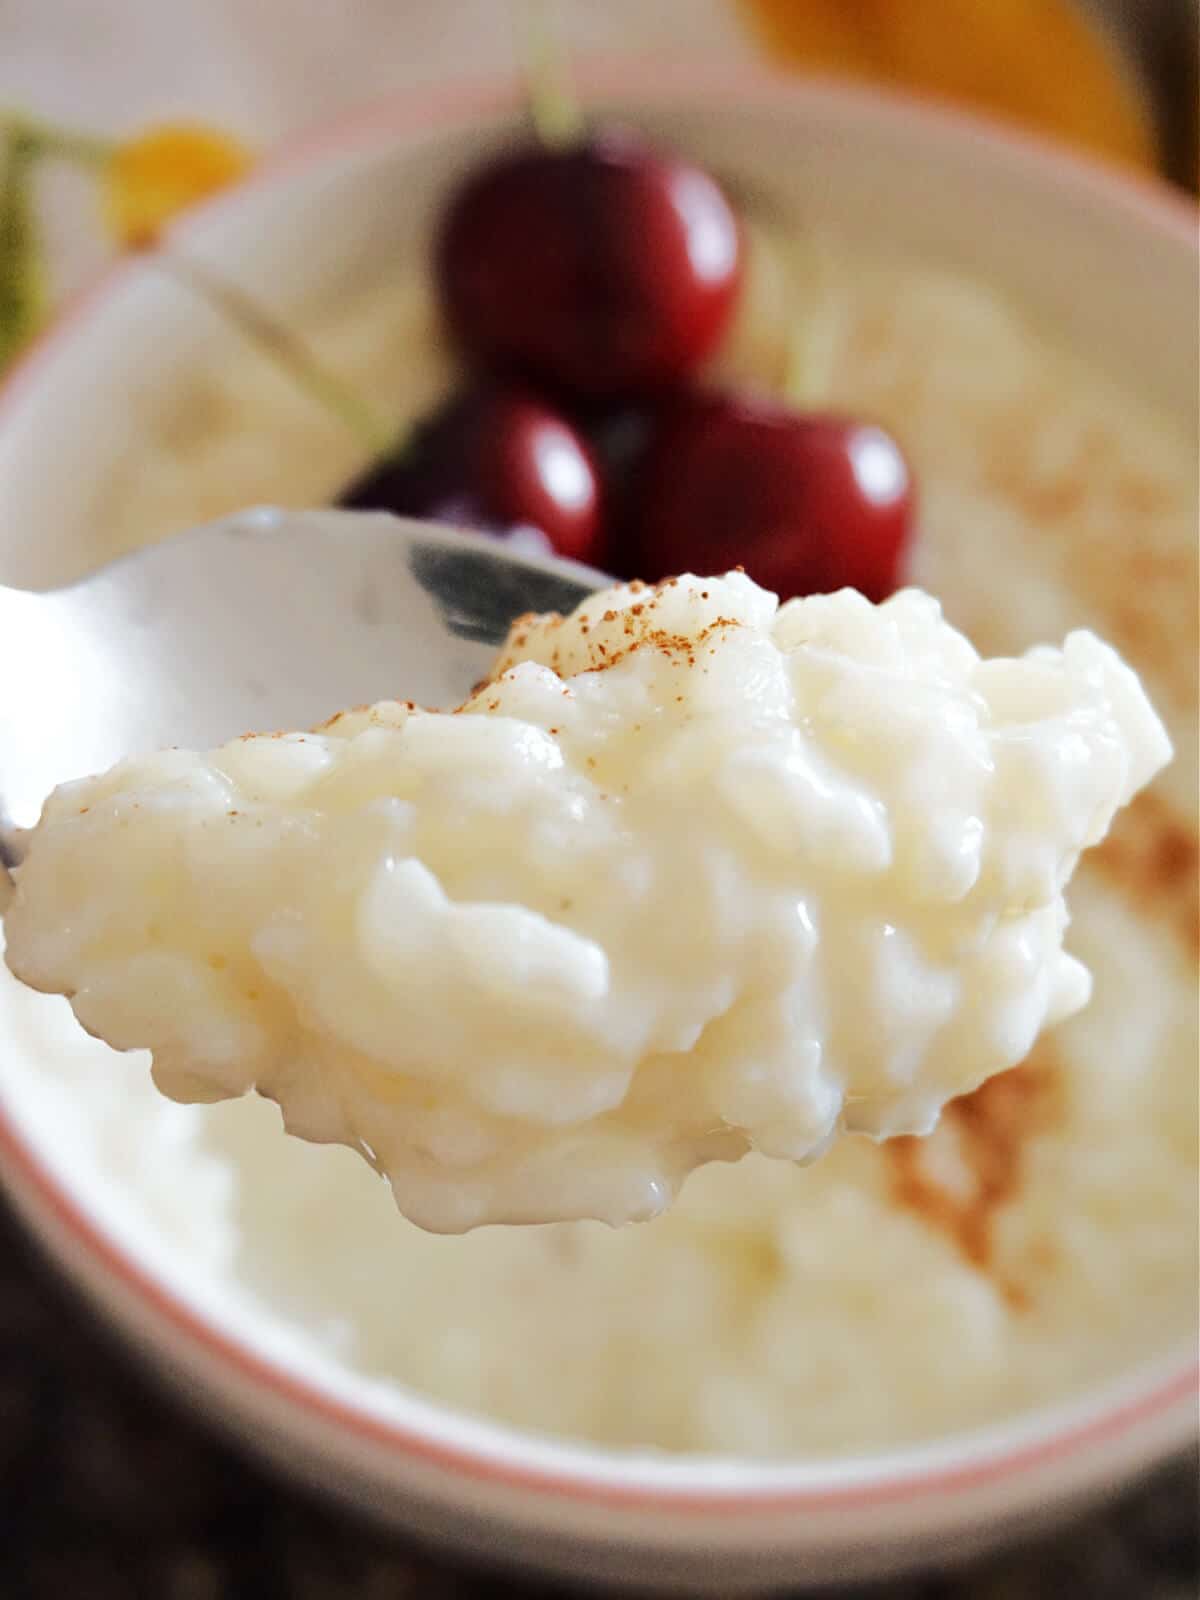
495,458
806,503
606,268
618,439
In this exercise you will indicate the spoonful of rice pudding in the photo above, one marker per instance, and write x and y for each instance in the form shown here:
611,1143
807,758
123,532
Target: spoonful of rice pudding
677,874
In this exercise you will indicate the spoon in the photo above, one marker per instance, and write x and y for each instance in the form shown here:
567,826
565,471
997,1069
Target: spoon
267,619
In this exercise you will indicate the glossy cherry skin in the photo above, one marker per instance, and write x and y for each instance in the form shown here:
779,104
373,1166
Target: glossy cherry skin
604,269
807,503
495,458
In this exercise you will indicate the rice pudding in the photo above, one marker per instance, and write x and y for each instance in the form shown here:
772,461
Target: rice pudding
691,874
1042,1239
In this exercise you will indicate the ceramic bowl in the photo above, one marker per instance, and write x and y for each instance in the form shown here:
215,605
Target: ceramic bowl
1113,266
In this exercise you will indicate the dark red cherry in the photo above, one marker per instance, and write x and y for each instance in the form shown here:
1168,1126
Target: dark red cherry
606,268
495,458
618,439
806,503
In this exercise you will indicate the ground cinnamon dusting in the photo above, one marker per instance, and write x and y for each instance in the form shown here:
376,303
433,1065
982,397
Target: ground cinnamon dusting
1142,590
991,1127
1153,856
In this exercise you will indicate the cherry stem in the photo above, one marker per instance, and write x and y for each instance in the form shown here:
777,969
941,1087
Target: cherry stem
287,349
553,105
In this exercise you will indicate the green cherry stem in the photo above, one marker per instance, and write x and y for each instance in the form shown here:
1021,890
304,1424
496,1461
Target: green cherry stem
553,105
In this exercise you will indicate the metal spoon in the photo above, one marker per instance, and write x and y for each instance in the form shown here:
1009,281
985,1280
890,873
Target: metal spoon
268,619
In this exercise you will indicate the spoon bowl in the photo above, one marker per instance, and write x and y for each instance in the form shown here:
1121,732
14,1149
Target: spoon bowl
267,619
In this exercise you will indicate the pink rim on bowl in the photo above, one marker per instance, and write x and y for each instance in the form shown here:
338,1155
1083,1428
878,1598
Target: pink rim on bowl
1145,204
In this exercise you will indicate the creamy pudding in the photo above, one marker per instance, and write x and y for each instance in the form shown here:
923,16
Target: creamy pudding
691,874
1041,1240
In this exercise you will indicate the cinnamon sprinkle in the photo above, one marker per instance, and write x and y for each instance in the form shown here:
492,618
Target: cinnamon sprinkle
1153,856
991,1127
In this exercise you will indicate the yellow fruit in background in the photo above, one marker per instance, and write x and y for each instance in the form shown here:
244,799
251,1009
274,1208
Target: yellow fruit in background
1041,64
152,177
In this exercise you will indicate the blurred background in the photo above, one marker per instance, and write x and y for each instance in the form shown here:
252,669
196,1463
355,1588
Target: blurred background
1116,79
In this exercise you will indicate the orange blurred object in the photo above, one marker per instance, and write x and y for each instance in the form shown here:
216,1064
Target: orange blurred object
1039,63
153,176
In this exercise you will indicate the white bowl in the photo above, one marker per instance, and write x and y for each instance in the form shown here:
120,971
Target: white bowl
1114,266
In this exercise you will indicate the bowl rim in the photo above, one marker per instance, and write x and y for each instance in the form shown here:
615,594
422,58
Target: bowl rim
1145,203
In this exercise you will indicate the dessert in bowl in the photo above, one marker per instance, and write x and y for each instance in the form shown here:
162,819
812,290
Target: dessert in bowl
902,1348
